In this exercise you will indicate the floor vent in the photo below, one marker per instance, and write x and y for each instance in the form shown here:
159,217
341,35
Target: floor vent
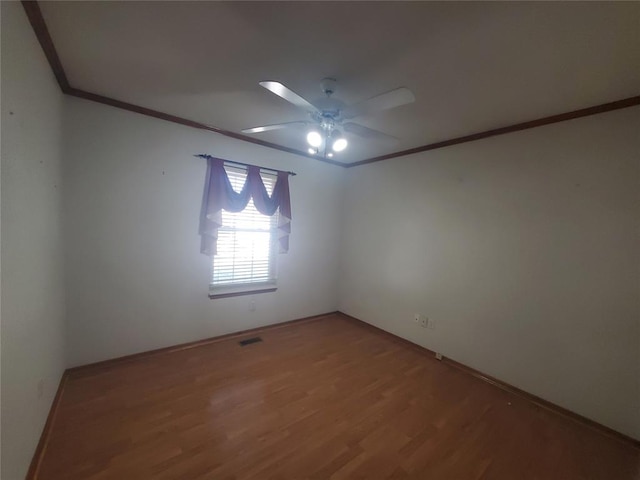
249,341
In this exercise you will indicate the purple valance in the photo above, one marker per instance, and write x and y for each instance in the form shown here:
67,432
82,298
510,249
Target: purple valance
219,195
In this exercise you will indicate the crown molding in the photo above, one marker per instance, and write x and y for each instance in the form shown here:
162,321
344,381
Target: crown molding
75,92
34,14
583,112
32,9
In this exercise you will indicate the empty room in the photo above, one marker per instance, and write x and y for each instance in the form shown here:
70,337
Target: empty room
320,240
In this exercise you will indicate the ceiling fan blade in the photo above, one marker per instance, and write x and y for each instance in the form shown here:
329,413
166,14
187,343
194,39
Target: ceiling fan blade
394,98
366,132
275,126
289,95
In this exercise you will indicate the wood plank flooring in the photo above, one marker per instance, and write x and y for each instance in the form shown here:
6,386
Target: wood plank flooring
316,400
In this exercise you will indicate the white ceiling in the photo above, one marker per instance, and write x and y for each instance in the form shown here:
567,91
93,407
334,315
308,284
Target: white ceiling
472,66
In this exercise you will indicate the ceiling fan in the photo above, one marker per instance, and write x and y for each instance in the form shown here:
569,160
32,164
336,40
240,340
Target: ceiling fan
327,118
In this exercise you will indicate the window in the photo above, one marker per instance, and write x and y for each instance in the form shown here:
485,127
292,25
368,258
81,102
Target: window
246,242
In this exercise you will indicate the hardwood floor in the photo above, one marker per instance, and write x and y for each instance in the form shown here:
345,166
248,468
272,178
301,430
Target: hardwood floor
317,400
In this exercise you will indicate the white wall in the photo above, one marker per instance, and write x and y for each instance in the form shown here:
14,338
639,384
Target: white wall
136,280
32,263
524,250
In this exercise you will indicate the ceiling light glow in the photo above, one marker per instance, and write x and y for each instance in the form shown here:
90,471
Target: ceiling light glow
339,144
314,138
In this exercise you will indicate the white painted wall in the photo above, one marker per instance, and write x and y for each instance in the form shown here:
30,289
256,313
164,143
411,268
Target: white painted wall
136,280
524,250
32,262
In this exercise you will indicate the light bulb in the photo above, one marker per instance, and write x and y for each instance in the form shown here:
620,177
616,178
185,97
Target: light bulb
312,151
339,144
314,138
330,155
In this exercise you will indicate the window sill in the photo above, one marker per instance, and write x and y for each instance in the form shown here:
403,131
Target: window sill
239,290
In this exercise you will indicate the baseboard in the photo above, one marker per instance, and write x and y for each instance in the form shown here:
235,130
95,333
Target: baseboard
186,346
34,467
540,402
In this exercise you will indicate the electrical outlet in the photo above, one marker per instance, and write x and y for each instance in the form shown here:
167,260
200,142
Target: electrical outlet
424,321
416,317
431,324
252,305
438,356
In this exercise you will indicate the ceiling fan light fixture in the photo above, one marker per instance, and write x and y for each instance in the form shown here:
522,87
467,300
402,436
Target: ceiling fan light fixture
339,144
314,138
325,125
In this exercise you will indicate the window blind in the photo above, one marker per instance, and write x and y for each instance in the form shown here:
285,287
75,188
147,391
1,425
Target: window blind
246,246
